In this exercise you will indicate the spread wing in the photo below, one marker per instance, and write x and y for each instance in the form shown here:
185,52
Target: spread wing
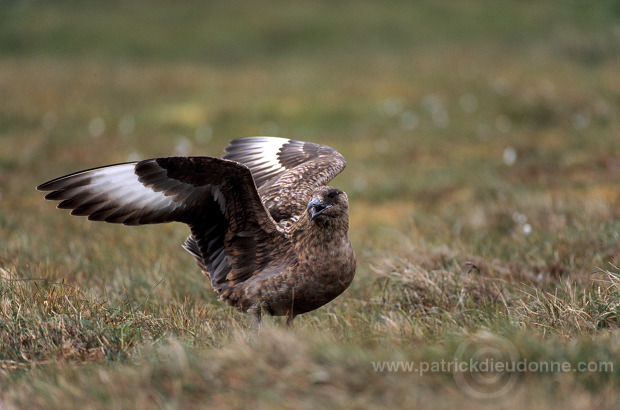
286,171
233,237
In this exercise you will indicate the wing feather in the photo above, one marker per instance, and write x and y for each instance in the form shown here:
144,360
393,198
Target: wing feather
286,171
217,198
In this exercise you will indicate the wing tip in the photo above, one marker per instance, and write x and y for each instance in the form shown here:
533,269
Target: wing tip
255,139
46,186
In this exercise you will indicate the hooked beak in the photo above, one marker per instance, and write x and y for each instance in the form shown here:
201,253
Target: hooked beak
316,207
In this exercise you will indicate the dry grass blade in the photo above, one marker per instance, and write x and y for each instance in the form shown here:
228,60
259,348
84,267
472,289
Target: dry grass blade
483,157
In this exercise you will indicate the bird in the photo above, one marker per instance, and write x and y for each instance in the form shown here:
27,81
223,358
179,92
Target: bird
265,228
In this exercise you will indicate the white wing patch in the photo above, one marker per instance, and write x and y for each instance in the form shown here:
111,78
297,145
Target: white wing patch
260,154
116,184
117,194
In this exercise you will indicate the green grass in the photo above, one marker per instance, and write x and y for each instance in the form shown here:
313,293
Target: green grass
483,161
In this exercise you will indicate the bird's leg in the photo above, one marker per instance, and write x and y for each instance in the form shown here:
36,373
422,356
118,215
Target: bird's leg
256,315
289,318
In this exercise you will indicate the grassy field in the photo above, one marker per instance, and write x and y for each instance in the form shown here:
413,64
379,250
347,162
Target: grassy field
483,149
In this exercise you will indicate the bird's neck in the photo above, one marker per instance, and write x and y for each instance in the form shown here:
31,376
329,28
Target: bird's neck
328,238
321,228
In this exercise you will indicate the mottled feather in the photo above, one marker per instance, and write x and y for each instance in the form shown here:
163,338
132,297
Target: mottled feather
286,171
250,232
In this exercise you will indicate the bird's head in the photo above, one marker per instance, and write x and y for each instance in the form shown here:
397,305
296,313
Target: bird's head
328,203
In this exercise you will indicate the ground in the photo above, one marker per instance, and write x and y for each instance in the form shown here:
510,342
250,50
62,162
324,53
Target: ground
483,175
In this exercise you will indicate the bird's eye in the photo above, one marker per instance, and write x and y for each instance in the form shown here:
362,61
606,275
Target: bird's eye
332,194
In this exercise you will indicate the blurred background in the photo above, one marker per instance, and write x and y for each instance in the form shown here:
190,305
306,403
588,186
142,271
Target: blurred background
458,119
483,148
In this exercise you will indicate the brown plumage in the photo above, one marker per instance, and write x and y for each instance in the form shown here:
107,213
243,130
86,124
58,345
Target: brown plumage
264,227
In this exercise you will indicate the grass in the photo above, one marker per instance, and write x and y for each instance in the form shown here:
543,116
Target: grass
483,161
